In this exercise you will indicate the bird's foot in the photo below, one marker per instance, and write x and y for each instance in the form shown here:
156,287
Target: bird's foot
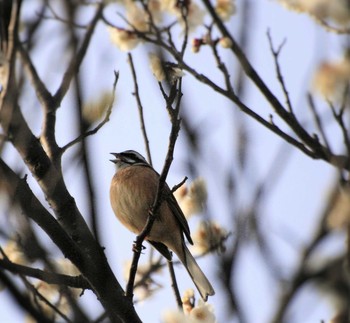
137,248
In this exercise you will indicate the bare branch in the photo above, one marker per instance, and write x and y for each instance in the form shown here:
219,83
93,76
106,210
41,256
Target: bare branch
43,299
140,108
22,299
177,186
152,214
76,61
318,149
339,118
101,124
280,78
47,277
174,285
42,92
300,275
318,121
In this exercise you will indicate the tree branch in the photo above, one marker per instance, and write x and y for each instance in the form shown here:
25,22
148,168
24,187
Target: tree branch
47,277
152,214
140,108
76,61
319,150
23,300
101,124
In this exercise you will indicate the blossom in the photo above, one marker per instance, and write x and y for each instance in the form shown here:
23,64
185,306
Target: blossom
339,215
53,295
202,313
174,73
52,292
94,110
174,316
155,8
208,236
225,42
332,78
163,71
193,14
192,199
225,9
196,45
136,16
168,5
125,40
65,266
3,69
336,10
156,67
14,253
188,300
145,285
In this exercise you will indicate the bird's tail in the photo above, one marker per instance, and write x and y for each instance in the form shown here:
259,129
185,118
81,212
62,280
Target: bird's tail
200,280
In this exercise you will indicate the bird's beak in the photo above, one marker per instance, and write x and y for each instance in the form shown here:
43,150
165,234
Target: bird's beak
116,155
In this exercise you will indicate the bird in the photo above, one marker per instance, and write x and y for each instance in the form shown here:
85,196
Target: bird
132,193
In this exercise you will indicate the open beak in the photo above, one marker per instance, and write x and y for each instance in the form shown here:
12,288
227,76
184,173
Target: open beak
116,155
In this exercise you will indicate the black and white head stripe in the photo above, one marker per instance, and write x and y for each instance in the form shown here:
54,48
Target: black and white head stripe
130,157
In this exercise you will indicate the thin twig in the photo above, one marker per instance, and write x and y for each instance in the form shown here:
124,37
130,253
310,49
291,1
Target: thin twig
318,121
299,277
319,151
140,108
43,299
23,299
328,27
24,271
280,78
78,58
41,90
49,122
177,186
184,8
221,65
101,124
339,118
152,214
56,17
174,284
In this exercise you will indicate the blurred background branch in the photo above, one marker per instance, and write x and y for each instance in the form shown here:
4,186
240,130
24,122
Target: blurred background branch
272,221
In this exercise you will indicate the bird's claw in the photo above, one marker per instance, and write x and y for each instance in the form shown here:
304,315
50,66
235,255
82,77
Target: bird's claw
136,248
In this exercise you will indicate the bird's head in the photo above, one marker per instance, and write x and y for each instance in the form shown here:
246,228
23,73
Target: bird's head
128,158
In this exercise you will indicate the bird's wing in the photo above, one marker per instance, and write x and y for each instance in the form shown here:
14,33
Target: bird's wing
174,206
162,248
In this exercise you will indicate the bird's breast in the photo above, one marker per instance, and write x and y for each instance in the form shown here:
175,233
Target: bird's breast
132,193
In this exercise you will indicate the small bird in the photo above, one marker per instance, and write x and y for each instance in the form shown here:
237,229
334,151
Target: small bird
132,193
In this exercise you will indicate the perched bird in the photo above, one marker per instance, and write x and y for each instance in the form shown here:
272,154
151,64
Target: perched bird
132,193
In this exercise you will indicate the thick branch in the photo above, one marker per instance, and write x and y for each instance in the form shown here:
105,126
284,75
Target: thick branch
48,277
92,263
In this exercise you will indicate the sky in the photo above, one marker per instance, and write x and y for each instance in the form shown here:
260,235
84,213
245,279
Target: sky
295,201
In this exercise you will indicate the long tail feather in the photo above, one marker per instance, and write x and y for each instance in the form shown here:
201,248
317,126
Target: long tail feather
200,280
